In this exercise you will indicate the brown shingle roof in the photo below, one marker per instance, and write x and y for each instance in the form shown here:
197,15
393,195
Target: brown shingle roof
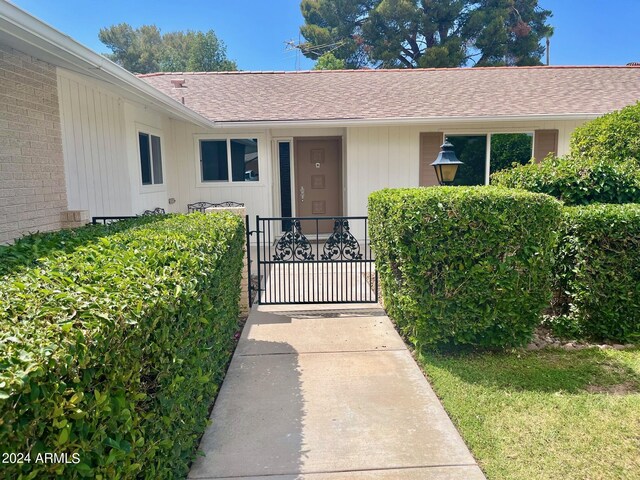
403,94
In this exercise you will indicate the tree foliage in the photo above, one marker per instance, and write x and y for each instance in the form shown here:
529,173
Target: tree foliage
425,33
328,61
146,50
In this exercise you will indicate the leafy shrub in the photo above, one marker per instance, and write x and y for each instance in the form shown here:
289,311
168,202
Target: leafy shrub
464,265
614,137
26,251
576,181
115,350
598,273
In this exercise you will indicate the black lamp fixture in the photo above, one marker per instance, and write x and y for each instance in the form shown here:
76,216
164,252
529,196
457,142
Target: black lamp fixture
446,165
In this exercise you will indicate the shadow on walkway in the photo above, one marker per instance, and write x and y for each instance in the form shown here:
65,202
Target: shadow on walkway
324,393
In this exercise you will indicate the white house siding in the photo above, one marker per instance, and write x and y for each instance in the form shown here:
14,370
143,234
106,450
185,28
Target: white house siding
32,191
138,117
381,157
96,166
102,161
185,185
103,168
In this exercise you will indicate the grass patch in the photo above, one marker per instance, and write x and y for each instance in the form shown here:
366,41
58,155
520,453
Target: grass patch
547,414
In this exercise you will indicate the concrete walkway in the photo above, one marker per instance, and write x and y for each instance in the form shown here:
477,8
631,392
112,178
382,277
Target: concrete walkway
320,393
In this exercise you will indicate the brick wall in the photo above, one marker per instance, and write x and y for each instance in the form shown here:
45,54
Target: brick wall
32,182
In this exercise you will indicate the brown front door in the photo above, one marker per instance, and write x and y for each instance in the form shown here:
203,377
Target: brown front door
318,188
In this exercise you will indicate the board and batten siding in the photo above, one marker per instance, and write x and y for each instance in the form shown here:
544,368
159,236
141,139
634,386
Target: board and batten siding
184,173
376,158
102,165
96,166
381,157
142,119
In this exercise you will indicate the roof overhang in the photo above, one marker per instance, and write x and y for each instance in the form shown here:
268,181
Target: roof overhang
381,122
25,33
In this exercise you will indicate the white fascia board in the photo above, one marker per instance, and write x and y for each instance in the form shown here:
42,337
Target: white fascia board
24,32
381,122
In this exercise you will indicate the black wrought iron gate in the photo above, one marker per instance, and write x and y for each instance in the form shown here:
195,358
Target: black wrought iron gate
301,260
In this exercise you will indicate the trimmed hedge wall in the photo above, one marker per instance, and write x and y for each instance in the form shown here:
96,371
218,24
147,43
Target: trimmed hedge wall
464,265
28,250
614,137
598,273
576,181
115,350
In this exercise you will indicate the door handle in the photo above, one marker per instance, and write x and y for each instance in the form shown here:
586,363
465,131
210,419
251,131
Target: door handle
302,194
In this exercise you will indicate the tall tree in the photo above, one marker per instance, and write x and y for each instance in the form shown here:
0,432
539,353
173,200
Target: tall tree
146,50
425,33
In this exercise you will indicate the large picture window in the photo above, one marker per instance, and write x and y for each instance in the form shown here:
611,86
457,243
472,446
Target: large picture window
472,151
504,150
236,155
510,148
150,159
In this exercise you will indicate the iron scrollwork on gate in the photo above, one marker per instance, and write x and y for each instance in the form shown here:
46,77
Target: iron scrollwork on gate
293,245
308,263
341,245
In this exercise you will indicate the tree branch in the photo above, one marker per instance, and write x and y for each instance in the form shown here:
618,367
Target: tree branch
408,52
406,62
414,46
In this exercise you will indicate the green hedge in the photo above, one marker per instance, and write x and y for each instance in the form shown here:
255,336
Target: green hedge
25,252
598,273
576,181
464,265
614,137
116,349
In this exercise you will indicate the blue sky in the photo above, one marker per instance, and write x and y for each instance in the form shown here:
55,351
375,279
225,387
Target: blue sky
587,32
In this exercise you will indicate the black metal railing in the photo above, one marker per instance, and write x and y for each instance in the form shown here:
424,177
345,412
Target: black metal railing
108,220
105,220
155,211
313,260
202,206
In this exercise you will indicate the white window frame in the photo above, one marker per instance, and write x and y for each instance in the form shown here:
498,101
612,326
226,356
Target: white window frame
229,182
487,155
153,187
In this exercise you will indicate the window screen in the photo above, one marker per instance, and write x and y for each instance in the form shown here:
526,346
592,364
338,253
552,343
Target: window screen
239,154
150,159
145,158
213,158
156,159
244,160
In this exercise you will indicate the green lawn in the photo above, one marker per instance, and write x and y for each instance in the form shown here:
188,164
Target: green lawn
549,414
